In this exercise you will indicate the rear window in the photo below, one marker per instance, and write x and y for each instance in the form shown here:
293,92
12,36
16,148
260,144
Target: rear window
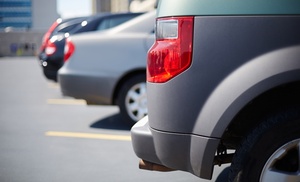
113,21
67,26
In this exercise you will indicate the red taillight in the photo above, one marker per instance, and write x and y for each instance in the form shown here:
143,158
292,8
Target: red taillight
171,53
69,49
47,35
50,48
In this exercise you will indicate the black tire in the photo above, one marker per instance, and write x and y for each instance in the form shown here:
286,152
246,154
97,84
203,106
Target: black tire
262,155
134,85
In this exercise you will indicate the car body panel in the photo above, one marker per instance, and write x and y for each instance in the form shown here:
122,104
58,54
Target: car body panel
251,80
91,82
216,52
102,59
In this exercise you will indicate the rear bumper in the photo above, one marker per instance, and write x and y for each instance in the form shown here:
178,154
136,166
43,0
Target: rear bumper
187,152
50,65
93,89
50,70
50,74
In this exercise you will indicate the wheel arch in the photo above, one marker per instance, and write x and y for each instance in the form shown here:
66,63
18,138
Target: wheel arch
256,77
123,80
254,112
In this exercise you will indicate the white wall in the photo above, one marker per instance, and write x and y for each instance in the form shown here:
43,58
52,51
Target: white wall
44,13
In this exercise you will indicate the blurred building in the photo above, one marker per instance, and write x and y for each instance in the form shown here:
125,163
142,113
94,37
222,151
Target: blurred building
27,14
40,14
23,22
123,5
142,5
22,25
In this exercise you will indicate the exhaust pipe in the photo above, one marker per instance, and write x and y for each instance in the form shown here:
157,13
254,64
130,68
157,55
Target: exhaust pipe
146,165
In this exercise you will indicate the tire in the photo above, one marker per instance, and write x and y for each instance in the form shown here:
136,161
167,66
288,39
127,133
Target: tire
271,152
132,99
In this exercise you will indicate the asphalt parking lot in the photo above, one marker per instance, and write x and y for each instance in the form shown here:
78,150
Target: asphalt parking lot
47,137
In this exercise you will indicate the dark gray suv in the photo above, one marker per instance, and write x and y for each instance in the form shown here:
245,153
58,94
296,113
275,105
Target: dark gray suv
223,85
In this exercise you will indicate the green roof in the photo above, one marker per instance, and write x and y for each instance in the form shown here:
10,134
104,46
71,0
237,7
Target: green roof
228,7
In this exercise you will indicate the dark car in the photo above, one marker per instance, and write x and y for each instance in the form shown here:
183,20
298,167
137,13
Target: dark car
59,26
53,54
223,84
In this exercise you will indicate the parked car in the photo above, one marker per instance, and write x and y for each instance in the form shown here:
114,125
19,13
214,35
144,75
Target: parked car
109,67
223,84
59,26
55,33
53,53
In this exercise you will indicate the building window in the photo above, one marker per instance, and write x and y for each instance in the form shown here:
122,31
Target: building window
15,14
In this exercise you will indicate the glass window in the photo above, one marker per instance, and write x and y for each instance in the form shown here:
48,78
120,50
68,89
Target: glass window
113,21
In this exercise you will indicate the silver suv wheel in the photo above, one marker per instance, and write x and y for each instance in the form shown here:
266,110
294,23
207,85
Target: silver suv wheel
136,101
132,98
271,151
271,172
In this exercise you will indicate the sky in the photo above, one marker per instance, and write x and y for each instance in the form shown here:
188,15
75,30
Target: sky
71,8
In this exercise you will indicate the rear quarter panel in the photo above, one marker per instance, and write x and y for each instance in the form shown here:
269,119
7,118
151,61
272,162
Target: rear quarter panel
224,45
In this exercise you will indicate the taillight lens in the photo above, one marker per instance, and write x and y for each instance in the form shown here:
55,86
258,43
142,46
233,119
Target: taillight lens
69,49
47,35
171,53
50,48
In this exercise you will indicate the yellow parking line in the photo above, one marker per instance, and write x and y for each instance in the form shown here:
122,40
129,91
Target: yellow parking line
66,101
88,135
53,85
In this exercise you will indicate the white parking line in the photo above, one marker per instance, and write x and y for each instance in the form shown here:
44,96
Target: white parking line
53,85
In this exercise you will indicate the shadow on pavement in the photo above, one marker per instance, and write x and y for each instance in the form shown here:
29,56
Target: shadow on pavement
113,122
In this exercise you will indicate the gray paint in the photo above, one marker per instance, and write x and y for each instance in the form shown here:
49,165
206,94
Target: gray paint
102,59
235,59
250,80
178,151
222,45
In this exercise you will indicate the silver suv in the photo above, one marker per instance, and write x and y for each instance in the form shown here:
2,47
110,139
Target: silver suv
223,85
